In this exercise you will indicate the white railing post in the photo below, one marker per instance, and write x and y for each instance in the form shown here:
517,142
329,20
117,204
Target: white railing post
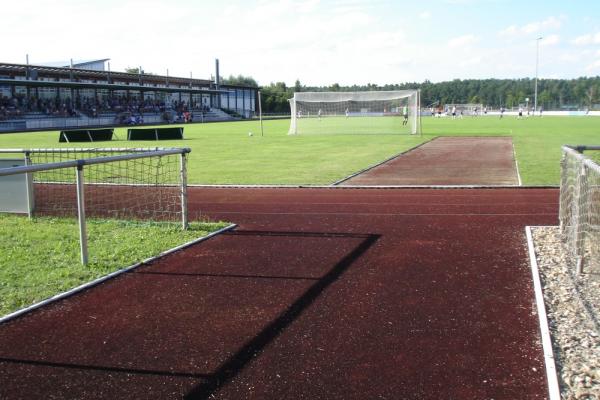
29,184
183,178
81,215
582,191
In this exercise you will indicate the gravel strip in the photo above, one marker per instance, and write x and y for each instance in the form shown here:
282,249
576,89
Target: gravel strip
573,307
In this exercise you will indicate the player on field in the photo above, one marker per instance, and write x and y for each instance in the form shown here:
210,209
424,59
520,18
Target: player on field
319,113
405,115
520,112
347,112
453,112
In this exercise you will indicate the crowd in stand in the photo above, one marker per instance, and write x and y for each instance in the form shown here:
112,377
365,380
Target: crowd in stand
16,107
19,105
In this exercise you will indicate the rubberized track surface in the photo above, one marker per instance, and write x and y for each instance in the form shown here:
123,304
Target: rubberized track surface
448,161
320,293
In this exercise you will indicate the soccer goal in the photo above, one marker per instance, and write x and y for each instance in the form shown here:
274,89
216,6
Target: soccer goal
381,112
580,207
132,184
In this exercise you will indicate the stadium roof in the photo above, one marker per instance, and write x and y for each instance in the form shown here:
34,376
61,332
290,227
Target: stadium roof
110,86
22,69
76,63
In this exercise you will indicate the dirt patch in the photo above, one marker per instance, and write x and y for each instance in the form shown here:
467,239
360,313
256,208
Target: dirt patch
482,161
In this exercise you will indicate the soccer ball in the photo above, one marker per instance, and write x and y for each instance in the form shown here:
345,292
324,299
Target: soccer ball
249,133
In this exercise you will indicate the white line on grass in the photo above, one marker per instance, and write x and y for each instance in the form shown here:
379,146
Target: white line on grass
553,388
112,275
344,187
336,183
516,164
366,214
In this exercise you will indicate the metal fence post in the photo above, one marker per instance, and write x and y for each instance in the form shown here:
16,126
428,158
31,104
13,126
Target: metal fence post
581,217
184,205
29,184
81,215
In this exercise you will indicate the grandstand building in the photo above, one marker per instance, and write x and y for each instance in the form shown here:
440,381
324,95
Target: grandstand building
46,97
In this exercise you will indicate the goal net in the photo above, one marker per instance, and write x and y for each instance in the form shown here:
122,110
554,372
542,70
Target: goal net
580,206
380,112
117,182
466,109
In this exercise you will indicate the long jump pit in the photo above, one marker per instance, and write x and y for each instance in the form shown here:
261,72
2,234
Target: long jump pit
456,161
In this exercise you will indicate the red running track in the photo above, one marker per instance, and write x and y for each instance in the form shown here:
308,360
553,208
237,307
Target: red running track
320,293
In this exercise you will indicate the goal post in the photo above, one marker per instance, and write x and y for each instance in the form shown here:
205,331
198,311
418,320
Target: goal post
121,183
374,112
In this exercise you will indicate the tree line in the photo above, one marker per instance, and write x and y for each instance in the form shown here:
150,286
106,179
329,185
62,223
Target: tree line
555,94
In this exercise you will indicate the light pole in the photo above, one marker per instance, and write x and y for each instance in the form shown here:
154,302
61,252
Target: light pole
537,61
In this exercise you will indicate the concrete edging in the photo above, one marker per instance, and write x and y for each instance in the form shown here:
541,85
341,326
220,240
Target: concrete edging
551,375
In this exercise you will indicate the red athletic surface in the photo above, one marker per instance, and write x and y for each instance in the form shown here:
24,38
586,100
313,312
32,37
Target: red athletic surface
319,294
448,161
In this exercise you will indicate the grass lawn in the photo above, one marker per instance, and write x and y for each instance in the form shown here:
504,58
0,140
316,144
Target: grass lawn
40,258
223,153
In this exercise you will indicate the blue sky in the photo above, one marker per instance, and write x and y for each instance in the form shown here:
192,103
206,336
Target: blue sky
317,41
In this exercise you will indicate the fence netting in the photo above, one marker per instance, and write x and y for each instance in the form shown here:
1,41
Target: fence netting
580,207
142,188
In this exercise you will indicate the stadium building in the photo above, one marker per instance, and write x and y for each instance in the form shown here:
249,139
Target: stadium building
87,94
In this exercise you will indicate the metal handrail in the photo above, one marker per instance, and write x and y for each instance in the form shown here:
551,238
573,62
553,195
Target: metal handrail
90,161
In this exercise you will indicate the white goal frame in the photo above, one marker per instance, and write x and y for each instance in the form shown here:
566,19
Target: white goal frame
413,98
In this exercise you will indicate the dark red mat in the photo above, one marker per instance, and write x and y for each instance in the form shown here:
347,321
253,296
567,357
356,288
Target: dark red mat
483,161
320,293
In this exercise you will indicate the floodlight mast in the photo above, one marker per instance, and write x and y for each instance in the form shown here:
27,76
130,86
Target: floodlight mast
537,61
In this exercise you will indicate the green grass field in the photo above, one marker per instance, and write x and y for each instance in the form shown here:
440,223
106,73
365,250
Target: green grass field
40,257
223,153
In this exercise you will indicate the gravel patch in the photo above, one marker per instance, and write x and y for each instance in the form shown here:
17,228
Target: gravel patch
573,308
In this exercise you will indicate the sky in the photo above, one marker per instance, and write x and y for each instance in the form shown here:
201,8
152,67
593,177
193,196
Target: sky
319,42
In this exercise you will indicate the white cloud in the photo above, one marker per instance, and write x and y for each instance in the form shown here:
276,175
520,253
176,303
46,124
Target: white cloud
509,31
470,62
462,41
587,39
550,40
550,23
425,15
595,66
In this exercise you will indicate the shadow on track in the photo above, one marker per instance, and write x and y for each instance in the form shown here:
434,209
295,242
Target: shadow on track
237,362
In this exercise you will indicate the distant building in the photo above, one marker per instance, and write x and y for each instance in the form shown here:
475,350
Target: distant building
88,89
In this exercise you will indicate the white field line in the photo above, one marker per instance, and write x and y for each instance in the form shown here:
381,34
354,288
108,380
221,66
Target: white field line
344,187
367,214
112,275
336,183
516,164
553,388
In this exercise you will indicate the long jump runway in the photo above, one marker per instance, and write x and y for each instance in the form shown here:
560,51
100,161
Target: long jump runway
481,161
318,294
